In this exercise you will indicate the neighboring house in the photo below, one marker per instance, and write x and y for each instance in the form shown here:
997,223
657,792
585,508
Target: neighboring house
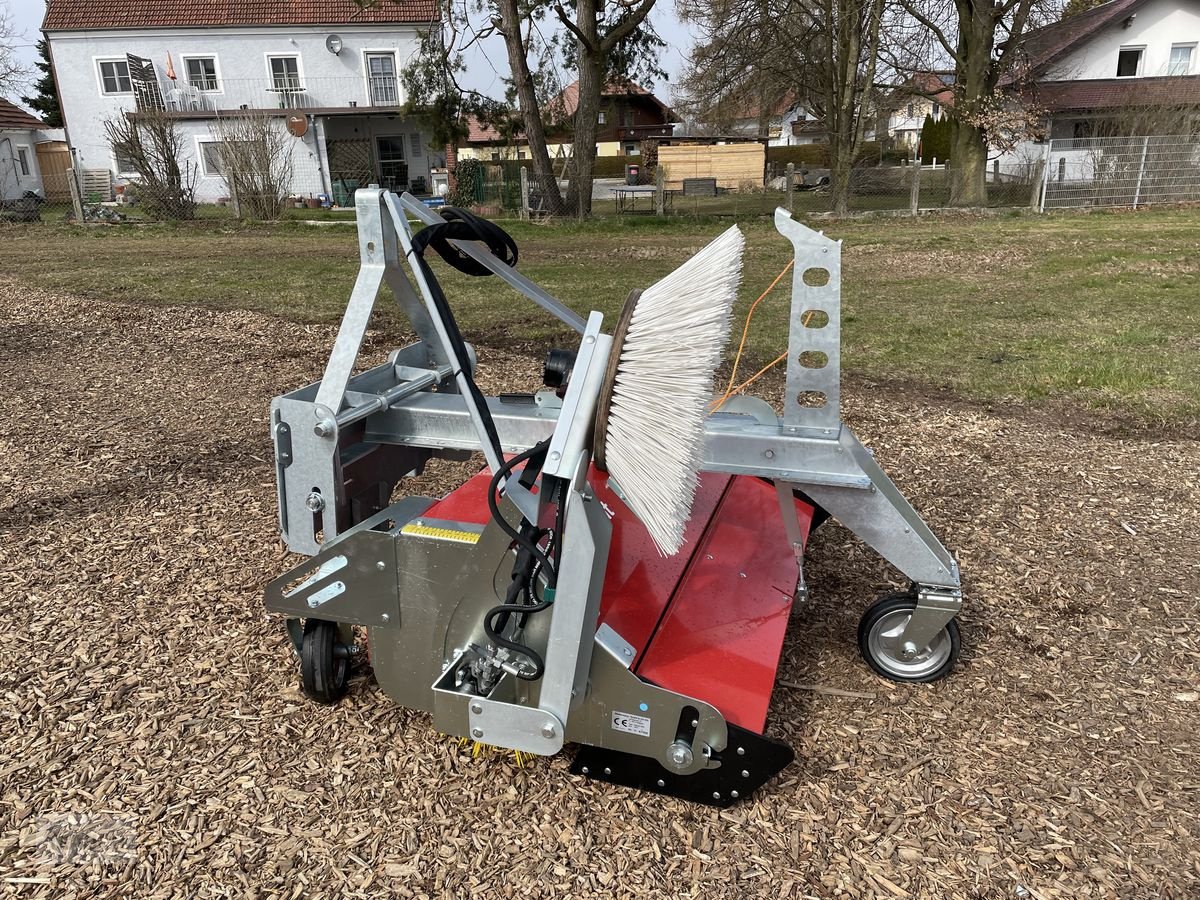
330,66
905,108
789,122
1095,71
628,115
21,136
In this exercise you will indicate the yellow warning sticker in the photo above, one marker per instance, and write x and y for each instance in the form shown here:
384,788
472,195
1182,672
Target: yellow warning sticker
445,532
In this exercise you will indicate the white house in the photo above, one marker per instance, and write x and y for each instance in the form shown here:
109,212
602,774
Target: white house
1123,68
329,66
904,109
789,123
1092,68
20,135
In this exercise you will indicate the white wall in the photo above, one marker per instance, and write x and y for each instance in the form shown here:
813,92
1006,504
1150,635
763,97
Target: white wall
12,183
1157,26
241,55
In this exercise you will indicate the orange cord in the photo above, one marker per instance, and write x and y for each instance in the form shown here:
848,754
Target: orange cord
730,390
746,329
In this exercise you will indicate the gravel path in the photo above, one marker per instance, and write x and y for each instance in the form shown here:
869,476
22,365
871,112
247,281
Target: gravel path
155,742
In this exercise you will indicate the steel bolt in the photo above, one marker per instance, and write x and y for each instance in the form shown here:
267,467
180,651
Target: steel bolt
680,755
385,618
627,652
314,502
769,454
716,795
607,770
313,602
745,773
584,770
325,428
476,732
733,794
548,730
476,708
661,783
909,651
381,565
741,751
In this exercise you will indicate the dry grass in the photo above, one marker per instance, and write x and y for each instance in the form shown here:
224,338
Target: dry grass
148,695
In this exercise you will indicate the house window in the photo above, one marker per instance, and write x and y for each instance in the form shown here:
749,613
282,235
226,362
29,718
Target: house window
114,77
123,163
202,72
631,149
602,118
937,109
212,162
495,156
1129,61
627,116
1181,59
520,154
381,79
414,144
912,110
23,160
285,72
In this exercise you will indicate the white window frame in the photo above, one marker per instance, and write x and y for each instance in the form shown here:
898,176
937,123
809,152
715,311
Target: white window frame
367,53
602,117
200,161
267,57
97,60
183,61
28,160
122,173
1141,66
1183,45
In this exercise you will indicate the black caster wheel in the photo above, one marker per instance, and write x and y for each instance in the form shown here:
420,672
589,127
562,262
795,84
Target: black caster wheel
879,641
324,660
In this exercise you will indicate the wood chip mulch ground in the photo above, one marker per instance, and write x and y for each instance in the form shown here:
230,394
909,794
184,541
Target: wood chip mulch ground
153,740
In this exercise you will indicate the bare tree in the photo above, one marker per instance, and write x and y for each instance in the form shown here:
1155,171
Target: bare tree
12,73
256,157
151,143
601,42
823,51
982,42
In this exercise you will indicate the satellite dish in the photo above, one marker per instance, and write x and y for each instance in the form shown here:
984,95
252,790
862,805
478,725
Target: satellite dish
297,124
333,44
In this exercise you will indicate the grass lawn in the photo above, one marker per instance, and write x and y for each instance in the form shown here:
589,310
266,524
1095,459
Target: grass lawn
1102,310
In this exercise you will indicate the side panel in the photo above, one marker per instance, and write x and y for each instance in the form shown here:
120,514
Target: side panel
722,634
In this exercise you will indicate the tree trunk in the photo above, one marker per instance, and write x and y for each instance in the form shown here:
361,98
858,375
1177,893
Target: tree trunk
968,165
975,80
531,112
579,191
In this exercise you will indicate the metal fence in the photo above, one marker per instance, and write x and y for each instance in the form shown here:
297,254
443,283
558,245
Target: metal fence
1122,171
900,189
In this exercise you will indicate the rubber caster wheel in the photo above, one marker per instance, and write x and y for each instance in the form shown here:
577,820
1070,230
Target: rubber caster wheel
879,641
324,661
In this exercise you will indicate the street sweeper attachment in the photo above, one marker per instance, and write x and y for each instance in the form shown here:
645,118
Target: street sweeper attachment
621,572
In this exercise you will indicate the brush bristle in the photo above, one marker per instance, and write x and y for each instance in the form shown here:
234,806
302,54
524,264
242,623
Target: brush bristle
664,383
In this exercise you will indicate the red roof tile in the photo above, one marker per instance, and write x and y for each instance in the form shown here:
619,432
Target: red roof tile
69,15
1116,93
13,118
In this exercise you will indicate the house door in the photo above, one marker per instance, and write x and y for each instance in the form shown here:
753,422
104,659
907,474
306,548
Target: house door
393,168
381,79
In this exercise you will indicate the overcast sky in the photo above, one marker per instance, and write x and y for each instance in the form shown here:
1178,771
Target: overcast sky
484,70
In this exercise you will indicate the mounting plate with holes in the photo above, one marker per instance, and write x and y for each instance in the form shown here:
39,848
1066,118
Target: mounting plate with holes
747,763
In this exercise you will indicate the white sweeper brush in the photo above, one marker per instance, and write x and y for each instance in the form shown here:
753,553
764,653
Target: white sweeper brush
650,418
